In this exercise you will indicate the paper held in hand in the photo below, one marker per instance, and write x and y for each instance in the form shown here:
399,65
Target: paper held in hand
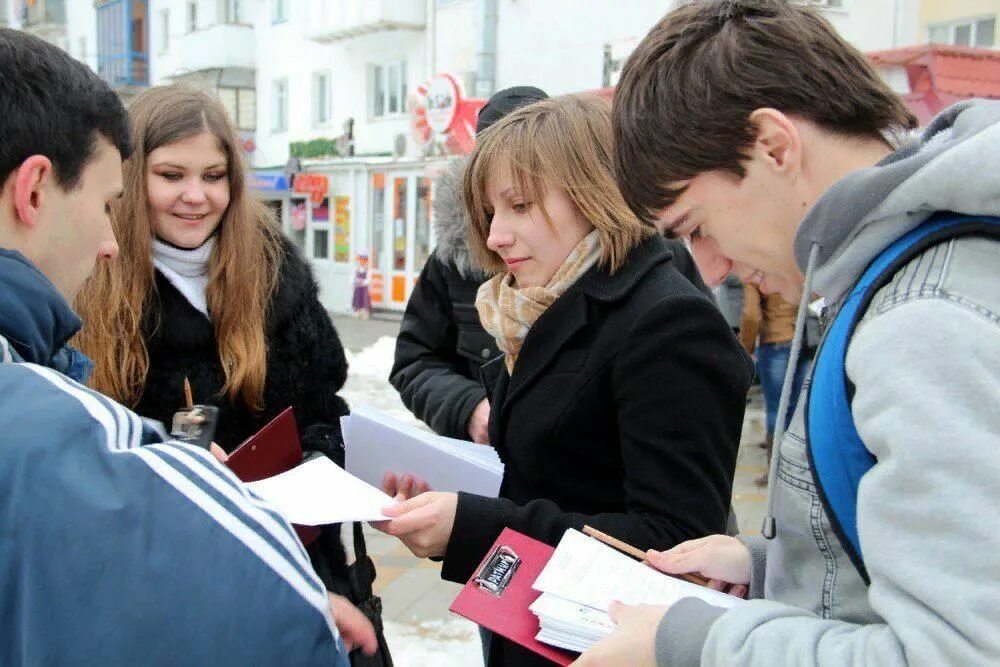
319,492
584,577
377,444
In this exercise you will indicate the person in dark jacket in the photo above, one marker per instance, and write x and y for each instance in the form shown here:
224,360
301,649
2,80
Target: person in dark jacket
206,289
441,344
619,400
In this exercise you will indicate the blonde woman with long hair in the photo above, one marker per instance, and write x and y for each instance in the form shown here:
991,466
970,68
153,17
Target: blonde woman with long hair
619,400
206,288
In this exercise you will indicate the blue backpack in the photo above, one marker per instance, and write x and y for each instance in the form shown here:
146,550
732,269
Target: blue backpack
837,455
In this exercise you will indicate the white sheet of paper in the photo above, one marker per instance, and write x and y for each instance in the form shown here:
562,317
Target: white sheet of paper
585,571
376,444
318,492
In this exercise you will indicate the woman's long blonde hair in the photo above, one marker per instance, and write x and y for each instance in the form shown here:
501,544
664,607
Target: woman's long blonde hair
242,269
562,142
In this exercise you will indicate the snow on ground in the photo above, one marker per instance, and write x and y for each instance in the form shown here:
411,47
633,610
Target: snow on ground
445,640
368,380
452,642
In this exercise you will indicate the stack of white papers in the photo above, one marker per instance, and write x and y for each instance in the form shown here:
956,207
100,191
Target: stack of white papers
319,492
585,576
377,444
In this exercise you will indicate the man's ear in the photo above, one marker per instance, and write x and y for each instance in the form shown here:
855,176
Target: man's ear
778,142
30,181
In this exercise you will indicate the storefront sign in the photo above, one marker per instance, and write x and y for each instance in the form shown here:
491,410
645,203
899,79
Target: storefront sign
439,109
316,185
269,182
441,102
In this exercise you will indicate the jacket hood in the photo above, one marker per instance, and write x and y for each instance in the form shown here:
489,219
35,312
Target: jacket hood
450,221
945,169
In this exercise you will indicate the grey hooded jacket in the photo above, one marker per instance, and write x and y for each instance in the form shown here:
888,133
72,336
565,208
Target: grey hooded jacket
925,363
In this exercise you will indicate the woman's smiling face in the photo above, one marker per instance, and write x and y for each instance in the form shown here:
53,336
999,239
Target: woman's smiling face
188,186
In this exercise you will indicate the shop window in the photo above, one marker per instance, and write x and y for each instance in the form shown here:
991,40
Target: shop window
422,222
321,244
321,229
297,221
399,225
378,221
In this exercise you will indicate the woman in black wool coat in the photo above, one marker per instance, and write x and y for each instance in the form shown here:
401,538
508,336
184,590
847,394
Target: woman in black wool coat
205,288
619,400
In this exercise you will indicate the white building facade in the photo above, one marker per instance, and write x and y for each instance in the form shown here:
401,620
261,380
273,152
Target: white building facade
324,66
324,92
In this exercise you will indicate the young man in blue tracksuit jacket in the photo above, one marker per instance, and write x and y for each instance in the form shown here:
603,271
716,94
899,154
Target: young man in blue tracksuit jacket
752,129
115,546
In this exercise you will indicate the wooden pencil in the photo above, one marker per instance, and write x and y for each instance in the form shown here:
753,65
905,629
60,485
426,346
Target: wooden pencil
636,553
188,397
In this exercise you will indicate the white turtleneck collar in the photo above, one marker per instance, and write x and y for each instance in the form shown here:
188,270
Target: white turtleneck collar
187,270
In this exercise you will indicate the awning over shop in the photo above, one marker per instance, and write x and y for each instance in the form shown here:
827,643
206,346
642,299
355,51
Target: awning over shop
937,75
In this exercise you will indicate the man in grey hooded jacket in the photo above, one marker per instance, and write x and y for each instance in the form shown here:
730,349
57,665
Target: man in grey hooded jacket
794,176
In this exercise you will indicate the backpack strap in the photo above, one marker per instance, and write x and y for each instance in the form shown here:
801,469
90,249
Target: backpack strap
838,457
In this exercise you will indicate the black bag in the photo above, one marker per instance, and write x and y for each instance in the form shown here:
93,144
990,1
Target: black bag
355,584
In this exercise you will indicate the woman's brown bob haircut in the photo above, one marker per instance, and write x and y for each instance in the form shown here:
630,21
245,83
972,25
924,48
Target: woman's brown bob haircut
562,142
686,93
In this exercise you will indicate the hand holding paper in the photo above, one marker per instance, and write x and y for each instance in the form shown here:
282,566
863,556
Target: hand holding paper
631,642
318,492
424,523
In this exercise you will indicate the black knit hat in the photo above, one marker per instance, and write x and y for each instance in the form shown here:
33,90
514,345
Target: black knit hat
505,101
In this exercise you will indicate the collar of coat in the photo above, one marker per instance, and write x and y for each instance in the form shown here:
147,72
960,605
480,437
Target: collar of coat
601,285
34,317
173,322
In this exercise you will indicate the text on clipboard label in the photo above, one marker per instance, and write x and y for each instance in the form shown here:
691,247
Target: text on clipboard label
498,570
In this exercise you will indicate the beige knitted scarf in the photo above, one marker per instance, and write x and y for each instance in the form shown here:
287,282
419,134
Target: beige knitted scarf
508,313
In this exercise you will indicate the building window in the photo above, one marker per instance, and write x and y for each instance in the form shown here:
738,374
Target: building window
164,30
321,98
241,105
968,32
280,123
838,4
389,89
192,16
279,11
230,11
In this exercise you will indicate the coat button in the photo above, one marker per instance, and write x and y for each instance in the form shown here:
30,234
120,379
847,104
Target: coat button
486,353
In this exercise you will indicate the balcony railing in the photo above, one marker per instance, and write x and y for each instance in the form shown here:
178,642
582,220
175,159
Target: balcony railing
126,69
122,39
335,21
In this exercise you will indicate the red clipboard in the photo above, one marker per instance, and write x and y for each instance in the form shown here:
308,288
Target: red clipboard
507,613
272,450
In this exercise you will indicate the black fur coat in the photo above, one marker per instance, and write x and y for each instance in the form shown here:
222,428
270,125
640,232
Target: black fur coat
306,367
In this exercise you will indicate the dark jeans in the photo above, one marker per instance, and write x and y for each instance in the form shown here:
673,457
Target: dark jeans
772,360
